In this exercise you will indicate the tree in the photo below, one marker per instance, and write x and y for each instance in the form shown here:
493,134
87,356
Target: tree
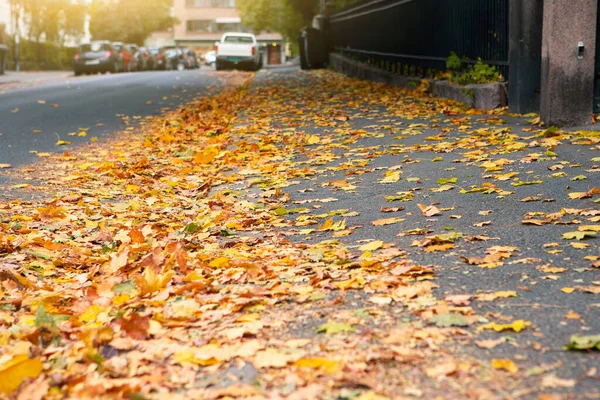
129,21
52,21
287,17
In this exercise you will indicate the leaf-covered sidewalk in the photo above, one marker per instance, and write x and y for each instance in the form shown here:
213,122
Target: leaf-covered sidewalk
308,236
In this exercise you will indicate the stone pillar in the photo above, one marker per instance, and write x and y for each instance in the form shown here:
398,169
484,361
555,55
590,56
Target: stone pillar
567,81
525,55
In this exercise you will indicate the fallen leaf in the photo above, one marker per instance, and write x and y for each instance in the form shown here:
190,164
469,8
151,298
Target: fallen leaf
387,221
506,365
332,327
372,246
578,235
516,326
15,370
320,363
590,342
441,369
552,381
429,211
449,319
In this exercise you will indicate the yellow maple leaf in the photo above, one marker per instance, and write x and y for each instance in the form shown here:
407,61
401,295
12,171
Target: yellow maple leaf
16,370
391,177
497,295
516,326
505,364
387,221
372,246
322,363
150,281
221,262
312,139
206,156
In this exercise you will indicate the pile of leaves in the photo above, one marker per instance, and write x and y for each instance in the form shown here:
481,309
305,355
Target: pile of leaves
167,262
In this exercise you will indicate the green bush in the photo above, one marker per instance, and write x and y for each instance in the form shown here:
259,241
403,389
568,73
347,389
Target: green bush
471,74
40,56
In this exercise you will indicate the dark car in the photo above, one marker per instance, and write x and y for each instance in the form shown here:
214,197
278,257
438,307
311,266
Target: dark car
140,60
129,61
150,59
193,60
159,58
174,58
166,58
95,57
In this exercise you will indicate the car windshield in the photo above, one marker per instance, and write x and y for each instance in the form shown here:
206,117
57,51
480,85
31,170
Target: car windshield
238,39
94,47
170,52
154,51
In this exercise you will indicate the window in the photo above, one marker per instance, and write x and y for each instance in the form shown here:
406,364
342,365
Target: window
212,26
238,39
229,27
210,3
94,46
201,26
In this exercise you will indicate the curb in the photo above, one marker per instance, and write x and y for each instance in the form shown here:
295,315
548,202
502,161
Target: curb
358,70
486,96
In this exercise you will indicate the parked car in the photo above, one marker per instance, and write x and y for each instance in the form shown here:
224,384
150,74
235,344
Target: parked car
129,61
159,57
97,56
174,58
193,61
140,60
238,50
210,58
150,59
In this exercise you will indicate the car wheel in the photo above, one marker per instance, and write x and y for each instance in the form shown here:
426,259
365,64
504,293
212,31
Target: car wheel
78,73
180,67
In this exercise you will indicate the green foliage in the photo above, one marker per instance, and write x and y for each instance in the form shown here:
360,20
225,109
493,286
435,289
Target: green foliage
472,74
40,56
273,16
287,17
46,25
129,21
453,62
54,21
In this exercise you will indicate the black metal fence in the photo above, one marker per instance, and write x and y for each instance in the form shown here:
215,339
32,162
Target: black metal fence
419,35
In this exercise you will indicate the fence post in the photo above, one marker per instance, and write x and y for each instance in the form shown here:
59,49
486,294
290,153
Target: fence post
525,55
568,62
3,58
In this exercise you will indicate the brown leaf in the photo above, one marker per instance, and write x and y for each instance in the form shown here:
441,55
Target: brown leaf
135,326
441,369
119,260
489,343
390,209
429,211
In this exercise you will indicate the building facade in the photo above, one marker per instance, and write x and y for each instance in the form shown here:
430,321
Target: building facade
201,23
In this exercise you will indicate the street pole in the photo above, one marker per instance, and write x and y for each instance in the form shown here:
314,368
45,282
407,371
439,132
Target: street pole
17,64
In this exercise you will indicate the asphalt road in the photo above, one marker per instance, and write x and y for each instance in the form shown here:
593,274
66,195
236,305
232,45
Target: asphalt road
33,120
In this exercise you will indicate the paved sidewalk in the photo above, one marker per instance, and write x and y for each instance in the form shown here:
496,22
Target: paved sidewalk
488,200
16,80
